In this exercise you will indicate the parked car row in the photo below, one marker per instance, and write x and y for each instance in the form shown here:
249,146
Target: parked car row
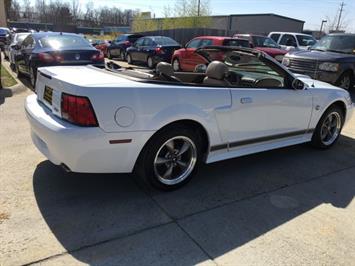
27,51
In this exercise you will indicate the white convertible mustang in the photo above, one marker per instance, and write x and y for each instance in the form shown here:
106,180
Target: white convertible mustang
163,124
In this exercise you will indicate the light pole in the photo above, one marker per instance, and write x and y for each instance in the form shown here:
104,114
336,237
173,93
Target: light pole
198,8
321,27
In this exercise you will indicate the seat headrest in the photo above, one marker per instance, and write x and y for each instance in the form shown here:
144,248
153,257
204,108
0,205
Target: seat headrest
217,70
165,68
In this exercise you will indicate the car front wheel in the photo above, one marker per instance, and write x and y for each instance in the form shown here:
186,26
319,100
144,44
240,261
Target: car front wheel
346,81
170,159
329,128
129,59
150,62
176,65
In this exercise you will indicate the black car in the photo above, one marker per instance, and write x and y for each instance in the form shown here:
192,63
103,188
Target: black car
152,50
118,47
4,37
54,49
331,60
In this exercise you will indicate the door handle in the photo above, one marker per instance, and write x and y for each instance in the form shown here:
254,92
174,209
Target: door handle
246,100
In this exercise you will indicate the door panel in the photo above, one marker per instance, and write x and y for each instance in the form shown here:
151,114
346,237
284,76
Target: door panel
258,113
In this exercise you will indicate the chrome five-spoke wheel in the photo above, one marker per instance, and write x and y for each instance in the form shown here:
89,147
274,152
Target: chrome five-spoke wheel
175,160
330,129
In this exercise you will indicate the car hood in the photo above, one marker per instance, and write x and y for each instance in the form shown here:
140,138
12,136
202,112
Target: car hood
313,83
320,56
272,51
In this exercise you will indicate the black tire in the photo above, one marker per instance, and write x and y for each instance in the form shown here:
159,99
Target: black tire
129,59
176,65
150,62
148,169
122,55
17,71
346,81
109,56
317,140
33,77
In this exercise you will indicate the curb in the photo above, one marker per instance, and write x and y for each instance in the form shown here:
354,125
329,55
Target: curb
19,87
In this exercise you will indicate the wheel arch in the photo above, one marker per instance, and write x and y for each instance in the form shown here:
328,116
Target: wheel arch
188,123
339,103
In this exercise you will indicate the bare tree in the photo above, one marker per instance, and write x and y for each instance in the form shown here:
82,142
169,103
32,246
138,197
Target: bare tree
28,9
75,10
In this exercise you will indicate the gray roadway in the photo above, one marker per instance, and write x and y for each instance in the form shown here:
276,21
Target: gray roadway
292,206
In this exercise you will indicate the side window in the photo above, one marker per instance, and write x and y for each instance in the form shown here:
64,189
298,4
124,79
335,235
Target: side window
139,42
275,37
194,44
205,42
288,40
148,42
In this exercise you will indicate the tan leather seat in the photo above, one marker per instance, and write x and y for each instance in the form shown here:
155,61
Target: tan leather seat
166,71
216,74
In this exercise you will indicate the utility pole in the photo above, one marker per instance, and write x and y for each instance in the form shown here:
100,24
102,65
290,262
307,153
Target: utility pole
198,8
340,14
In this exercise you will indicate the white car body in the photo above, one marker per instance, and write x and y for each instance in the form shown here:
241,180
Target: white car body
298,46
238,121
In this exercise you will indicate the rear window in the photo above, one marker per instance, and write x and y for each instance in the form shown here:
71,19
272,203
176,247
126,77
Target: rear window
63,41
305,40
236,42
165,41
275,37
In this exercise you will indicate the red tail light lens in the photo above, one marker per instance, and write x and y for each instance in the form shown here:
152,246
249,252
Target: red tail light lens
78,110
159,50
46,57
127,43
98,57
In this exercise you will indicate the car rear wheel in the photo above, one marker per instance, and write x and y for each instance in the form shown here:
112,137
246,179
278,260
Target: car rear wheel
346,81
176,65
170,158
33,77
329,128
150,62
129,59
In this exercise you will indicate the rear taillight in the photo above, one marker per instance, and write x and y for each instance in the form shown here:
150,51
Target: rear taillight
98,57
127,43
49,58
78,110
159,50
46,57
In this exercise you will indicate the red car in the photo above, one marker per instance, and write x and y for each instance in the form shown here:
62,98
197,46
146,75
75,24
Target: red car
265,44
101,45
185,59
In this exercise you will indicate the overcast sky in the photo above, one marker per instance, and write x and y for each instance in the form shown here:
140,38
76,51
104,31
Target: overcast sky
311,11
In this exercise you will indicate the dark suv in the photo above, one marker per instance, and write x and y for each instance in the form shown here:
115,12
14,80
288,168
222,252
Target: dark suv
118,47
331,60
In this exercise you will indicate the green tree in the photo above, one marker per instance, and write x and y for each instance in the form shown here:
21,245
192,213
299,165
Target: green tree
182,14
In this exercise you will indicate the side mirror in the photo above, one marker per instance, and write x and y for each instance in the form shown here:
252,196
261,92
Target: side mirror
297,84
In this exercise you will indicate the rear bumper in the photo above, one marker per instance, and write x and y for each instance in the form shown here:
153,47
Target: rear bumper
81,149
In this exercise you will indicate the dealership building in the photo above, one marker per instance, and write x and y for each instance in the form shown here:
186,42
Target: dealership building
256,23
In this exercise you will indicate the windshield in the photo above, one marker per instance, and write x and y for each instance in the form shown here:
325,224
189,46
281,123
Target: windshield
305,40
63,41
260,41
336,43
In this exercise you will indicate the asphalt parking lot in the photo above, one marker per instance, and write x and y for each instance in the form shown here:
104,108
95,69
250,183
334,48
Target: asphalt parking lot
292,206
